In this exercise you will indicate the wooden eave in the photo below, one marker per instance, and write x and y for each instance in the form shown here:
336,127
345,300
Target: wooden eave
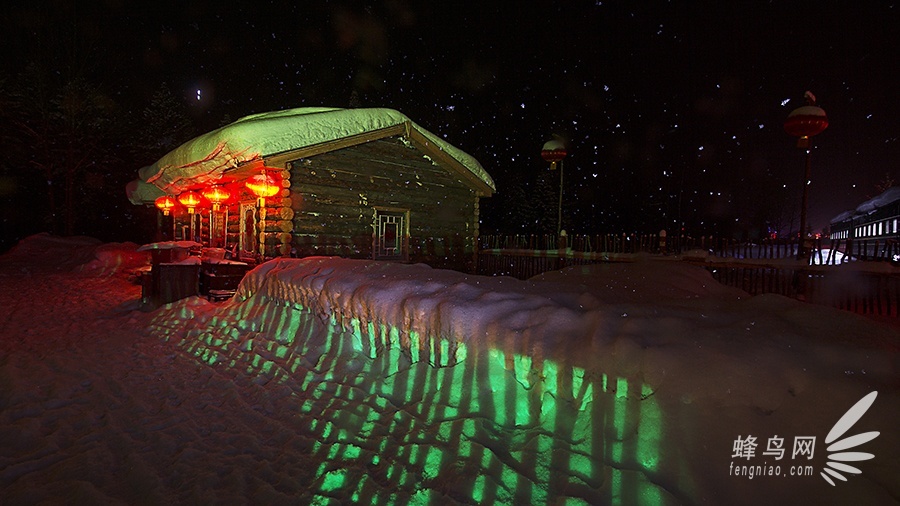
404,129
418,140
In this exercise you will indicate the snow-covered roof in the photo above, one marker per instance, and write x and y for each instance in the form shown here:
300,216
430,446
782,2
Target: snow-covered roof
889,196
204,159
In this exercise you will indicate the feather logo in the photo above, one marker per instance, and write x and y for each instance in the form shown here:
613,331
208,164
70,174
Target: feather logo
835,463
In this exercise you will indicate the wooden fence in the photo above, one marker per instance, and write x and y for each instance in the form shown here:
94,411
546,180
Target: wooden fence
855,290
824,251
859,291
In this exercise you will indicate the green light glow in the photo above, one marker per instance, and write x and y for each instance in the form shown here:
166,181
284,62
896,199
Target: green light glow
478,489
414,346
373,349
409,418
621,388
333,452
334,480
357,335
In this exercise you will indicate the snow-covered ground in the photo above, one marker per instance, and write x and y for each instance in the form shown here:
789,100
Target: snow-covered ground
332,381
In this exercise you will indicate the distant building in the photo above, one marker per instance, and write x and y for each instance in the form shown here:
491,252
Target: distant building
356,183
877,218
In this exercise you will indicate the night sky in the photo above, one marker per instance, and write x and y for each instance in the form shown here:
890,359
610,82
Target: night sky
672,111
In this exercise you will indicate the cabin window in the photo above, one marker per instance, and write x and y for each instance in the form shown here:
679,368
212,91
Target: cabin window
391,235
189,229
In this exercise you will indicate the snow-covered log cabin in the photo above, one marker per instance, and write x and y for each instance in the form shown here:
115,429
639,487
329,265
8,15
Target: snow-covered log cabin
355,183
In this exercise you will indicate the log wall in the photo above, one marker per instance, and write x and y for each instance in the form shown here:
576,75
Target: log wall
335,195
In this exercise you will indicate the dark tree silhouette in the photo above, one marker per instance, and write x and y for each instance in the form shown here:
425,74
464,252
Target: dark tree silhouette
166,125
64,129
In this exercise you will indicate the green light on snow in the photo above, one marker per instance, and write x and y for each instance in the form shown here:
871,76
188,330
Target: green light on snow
427,411
433,461
334,480
650,435
621,388
478,489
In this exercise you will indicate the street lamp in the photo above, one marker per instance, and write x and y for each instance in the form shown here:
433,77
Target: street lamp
554,151
805,122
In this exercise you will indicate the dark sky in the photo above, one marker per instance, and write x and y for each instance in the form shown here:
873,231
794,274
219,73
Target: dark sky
673,111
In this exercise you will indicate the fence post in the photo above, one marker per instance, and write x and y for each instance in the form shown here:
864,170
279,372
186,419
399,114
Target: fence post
561,245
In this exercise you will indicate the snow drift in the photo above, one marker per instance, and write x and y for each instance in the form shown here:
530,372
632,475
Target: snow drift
328,380
614,383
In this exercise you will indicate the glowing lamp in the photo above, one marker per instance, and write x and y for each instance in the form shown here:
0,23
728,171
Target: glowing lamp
262,185
190,200
217,195
805,122
553,151
165,204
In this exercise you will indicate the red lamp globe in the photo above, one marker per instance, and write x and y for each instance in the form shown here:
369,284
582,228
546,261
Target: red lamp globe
805,122
553,151
190,200
165,204
217,195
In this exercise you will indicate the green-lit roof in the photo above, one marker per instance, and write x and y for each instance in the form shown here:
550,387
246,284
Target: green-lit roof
205,158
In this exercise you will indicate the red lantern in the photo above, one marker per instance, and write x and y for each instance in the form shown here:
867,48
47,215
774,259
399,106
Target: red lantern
165,204
217,195
190,200
553,151
263,185
805,122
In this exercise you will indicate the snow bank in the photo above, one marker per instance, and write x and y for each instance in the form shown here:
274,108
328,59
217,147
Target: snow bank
578,316
46,252
332,381
688,358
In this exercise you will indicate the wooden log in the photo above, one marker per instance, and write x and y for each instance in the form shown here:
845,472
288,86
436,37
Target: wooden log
360,170
276,213
277,225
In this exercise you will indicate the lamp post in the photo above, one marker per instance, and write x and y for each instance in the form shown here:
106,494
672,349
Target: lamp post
805,122
554,151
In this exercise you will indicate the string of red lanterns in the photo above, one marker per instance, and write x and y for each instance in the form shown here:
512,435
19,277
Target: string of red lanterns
262,185
215,194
